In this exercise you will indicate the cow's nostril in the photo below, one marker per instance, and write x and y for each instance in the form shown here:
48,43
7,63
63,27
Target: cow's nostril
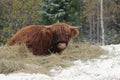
61,46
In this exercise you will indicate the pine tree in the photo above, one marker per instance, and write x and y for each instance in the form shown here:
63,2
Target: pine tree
61,11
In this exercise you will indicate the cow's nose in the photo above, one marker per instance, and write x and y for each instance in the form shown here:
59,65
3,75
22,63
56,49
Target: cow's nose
62,46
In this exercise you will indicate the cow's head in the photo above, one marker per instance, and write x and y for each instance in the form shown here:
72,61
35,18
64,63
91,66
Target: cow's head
62,34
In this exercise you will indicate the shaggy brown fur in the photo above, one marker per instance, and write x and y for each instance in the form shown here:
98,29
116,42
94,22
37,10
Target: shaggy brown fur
41,40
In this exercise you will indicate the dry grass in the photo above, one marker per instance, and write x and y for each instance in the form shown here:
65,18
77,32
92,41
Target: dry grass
18,58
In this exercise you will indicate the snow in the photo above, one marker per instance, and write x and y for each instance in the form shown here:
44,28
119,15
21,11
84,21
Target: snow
106,67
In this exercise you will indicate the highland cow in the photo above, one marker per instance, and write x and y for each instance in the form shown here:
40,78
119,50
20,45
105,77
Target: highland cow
42,40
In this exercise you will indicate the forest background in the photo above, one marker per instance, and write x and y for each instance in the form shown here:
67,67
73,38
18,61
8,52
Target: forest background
84,14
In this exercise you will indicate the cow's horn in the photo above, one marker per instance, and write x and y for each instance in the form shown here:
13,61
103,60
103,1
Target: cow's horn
75,27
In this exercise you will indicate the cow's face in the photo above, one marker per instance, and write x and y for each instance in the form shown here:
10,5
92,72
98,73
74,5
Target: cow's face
62,33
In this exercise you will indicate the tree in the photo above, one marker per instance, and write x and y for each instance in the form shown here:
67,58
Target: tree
16,14
102,22
61,11
91,21
92,30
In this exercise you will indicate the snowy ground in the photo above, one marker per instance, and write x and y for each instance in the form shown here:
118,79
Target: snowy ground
104,68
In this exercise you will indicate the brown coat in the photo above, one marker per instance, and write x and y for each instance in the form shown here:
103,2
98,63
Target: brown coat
41,40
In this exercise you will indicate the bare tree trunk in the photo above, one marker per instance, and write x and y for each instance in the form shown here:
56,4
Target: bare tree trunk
98,26
102,25
90,24
93,29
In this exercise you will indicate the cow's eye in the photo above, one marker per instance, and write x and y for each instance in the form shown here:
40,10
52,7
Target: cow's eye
67,35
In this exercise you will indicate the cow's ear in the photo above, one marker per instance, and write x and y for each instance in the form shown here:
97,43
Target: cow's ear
74,32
